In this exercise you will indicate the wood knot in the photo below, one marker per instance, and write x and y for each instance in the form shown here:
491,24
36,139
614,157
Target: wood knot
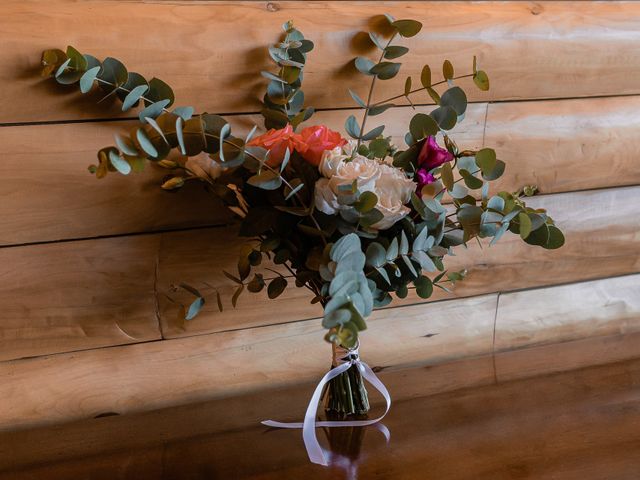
536,9
272,7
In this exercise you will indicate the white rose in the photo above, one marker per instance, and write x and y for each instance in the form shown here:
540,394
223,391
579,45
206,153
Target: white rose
394,191
390,184
361,169
325,199
330,161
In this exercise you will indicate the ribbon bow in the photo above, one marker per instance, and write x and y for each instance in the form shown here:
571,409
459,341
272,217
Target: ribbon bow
314,450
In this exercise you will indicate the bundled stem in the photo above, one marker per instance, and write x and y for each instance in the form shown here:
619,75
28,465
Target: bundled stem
345,395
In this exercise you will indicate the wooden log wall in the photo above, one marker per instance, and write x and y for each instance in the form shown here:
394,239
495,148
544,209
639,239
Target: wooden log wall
88,264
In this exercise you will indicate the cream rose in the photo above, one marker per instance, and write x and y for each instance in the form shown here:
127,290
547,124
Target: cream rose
390,184
394,190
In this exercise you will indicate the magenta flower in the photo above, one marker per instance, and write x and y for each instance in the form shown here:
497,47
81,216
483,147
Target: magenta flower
423,177
432,155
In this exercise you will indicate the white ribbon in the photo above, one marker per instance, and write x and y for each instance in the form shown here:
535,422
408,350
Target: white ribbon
314,450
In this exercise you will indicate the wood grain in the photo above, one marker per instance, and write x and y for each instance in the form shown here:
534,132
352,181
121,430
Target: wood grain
52,160
49,195
559,146
159,374
566,145
77,295
212,52
130,378
600,242
98,287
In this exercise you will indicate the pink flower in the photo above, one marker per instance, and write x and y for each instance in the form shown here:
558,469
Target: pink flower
432,155
423,177
319,139
277,142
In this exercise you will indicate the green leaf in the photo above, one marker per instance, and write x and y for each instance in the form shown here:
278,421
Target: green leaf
185,112
266,180
446,175
133,96
447,70
357,99
496,173
456,99
119,163
471,181
158,90
395,51
407,87
422,126
425,76
407,28
556,238
446,117
375,255
154,110
525,225
373,133
276,287
364,65
385,70
377,41
424,286
78,61
366,202
145,143
194,308
87,79
434,95
114,72
378,109
481,80
126,145
352,127
486,159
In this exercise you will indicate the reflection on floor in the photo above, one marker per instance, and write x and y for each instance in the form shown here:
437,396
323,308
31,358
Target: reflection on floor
582,425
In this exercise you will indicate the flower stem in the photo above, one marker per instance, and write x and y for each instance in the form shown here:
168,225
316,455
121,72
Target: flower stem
419,90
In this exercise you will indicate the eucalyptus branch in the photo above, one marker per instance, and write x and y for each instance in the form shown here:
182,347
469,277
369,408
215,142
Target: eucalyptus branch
373,84
419,90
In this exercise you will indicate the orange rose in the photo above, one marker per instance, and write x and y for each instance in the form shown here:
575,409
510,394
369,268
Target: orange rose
318,139
277,142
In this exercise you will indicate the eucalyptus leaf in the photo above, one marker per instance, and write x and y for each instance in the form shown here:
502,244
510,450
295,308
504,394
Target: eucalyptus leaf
407,28
87,79
133,97
385,70
119,163
422,126
364,65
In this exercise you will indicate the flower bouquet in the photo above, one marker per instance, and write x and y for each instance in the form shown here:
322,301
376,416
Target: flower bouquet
357,221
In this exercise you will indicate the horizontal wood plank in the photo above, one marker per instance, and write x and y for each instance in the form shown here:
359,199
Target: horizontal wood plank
59,388
125,275
48,195
208,436
203,49
153,375
566,145
600,242
77,295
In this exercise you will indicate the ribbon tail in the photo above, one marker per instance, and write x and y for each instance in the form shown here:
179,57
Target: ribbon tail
314,450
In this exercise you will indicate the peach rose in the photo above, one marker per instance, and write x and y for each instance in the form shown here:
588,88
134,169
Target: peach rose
319,139
277,142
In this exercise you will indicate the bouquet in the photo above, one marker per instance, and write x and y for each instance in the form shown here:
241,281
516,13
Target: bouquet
355,221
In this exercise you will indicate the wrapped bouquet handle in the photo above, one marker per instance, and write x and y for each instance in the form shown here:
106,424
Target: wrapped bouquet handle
314,450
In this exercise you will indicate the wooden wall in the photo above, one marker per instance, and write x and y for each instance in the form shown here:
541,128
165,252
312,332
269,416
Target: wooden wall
88,265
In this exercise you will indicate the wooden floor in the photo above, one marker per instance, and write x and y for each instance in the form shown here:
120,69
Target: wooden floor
582,425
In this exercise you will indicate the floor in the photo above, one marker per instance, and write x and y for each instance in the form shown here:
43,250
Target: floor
582,425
